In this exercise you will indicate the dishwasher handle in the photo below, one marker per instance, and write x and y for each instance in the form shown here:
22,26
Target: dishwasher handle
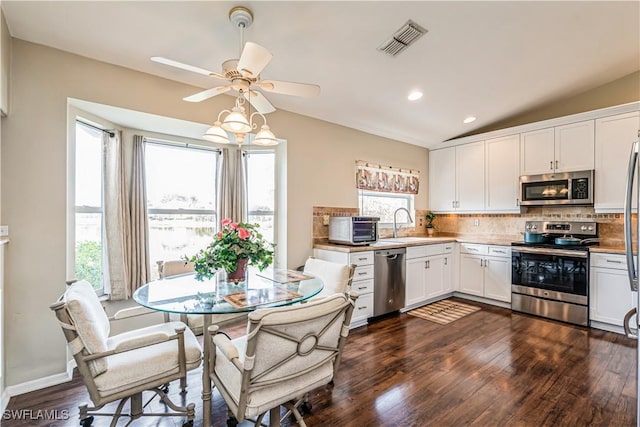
391,254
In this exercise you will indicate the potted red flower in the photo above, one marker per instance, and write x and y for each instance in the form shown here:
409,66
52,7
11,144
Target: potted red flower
233,247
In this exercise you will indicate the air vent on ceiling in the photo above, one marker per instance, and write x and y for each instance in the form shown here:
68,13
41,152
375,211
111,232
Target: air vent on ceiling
403,38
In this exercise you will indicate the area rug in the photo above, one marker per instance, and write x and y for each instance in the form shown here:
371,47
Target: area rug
443,312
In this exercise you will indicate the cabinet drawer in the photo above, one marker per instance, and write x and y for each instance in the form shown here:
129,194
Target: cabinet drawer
472,248
361,258
363,309
363,272
618,262
362,286
447,248
503,251
422,251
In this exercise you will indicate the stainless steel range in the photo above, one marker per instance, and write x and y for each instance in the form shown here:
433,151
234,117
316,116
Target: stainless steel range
551,278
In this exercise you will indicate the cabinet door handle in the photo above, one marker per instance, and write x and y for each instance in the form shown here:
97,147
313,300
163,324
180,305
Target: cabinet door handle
362,259
481,263
445,261
517,202
361,288
453,203
472,249
362,307
551,165
499,252
486,262
362,273
613,261
556,164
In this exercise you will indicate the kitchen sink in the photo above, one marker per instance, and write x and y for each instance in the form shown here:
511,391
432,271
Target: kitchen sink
406,240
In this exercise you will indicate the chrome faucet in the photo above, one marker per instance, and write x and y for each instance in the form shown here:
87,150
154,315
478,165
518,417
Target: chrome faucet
395,227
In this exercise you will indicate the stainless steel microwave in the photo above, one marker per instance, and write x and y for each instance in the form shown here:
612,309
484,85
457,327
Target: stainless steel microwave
569,188
353,230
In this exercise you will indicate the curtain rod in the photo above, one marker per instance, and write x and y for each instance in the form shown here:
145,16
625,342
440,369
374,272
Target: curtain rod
110,132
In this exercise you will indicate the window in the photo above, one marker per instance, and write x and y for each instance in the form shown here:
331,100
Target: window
383,205
181,200
88,206
261,191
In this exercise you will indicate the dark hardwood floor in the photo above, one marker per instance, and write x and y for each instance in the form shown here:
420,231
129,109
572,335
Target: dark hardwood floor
491,368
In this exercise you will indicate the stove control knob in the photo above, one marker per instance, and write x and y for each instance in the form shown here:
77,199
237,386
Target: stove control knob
590,228
584,228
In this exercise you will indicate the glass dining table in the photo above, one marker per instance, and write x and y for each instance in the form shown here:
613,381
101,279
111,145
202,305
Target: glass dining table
186,294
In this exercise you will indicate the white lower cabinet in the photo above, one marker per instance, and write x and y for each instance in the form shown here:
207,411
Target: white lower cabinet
362,280
485,271
428,273
610,295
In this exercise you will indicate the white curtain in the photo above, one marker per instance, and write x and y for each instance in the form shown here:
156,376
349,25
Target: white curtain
138,238
232,186
116,218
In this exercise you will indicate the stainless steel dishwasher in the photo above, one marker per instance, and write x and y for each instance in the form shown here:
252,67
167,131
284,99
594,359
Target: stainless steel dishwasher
389,278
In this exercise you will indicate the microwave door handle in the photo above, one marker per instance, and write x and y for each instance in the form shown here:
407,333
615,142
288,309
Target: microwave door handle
633,160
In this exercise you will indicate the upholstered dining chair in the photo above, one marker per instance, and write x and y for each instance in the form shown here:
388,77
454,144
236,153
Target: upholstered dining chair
287,352
172,268
122,366
336,277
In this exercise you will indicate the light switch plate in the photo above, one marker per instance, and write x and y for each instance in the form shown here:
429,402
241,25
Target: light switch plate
4,230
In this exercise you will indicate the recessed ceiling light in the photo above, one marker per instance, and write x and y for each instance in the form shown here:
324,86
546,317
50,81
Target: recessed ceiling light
415,95
469,119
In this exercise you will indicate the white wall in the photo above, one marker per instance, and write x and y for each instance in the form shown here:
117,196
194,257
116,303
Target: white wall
320,171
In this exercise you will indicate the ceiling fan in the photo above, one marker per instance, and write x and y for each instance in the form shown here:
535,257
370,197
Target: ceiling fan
243,74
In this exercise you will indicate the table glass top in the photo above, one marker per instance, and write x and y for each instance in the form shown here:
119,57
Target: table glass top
187,295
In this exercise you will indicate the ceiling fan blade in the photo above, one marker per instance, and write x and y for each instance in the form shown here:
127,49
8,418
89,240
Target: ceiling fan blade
253,59
206,94
290,88
176,64
259,102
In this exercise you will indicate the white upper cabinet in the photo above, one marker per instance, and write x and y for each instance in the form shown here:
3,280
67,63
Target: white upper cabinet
442,182
560,149
575,147
502,170
470,177
614,138
537,152
456,178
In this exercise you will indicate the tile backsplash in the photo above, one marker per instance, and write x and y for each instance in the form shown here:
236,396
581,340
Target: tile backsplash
321,231
507,226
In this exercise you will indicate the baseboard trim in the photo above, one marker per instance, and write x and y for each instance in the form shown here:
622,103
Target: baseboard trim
38,384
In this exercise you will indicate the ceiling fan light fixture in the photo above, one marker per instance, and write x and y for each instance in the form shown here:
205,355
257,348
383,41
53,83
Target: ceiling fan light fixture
265,136
236,121
216,134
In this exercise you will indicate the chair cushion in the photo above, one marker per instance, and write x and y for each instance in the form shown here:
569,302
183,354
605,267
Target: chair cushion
334,276
149,364
90,320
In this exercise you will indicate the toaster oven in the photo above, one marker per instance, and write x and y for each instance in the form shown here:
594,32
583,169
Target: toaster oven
353,230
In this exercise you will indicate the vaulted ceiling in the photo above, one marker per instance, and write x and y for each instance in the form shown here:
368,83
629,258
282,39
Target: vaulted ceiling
492,60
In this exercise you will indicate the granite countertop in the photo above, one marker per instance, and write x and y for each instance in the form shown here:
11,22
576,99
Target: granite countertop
402,242
611,249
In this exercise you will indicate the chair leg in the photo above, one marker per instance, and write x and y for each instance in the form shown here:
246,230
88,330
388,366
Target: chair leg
274,417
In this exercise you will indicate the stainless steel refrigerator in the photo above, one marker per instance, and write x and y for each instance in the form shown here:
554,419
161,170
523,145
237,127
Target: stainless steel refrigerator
633,177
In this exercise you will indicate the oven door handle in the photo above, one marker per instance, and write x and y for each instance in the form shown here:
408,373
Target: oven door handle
627,327
547,251
628,240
